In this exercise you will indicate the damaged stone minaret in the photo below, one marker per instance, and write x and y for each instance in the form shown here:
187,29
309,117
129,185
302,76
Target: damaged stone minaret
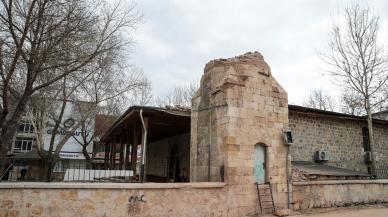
239,106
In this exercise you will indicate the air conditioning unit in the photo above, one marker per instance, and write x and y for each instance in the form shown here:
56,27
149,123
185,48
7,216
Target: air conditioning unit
368,157
287,136
322,156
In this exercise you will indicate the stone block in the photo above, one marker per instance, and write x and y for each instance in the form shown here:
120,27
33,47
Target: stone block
282,212
231,147
246,210
12,213
37,210
7,204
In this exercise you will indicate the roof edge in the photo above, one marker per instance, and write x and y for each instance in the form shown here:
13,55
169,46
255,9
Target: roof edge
298,108
135,108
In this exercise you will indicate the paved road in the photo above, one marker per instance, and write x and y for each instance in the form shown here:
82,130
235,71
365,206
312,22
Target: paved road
351,212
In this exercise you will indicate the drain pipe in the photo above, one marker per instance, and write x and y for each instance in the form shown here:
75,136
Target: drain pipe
289,178
144,148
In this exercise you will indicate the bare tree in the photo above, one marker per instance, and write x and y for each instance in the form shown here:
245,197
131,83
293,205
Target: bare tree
44,41
99,91
141,96
351,102
47,114
358,61
108,93
180,96
319,100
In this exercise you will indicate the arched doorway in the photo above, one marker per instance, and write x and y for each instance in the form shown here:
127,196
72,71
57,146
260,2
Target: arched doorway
259,163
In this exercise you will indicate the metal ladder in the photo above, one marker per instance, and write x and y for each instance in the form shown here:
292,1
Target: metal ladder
264,192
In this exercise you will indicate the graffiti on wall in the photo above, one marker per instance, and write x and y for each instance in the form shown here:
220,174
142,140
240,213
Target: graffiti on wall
137,199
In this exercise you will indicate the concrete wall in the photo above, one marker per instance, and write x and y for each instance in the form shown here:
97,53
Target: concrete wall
109,199
318,194
340,136
238,105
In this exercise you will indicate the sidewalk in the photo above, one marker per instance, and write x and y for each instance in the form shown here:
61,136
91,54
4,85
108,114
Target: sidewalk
357,211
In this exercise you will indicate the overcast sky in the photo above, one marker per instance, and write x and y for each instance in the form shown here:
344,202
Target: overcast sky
178,37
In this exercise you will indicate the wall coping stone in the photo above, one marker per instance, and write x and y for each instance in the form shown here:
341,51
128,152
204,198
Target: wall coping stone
80,185
342,182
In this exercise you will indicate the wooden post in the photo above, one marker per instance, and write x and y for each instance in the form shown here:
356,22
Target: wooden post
106,157
127,148
114,154
121,151
111,154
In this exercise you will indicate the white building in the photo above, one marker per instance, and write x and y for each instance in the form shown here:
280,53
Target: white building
71,156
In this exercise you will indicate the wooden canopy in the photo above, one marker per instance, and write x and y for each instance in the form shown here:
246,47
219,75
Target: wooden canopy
135,128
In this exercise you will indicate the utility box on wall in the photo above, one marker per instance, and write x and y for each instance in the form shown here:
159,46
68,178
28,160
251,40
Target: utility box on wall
287,136
321,156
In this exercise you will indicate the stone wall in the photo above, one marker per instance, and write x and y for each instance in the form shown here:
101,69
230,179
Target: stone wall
109,199
341,137
239,105
319,194
381,143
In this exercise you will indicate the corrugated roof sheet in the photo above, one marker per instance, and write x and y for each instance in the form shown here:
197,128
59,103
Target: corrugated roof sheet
312,168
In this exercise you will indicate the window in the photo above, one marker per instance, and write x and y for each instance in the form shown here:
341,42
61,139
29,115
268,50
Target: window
26,127
23,144
365,138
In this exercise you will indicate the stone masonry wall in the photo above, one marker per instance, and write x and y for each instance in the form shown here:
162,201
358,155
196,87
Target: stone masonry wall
380,133
108,200
238,105
342,138
321,194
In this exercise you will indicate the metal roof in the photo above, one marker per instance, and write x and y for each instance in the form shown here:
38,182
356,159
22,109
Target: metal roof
325,170
305,110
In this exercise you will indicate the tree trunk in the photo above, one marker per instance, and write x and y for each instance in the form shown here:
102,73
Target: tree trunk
10,128
48,168
371,139
48,164
6,140
89,161
3,156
